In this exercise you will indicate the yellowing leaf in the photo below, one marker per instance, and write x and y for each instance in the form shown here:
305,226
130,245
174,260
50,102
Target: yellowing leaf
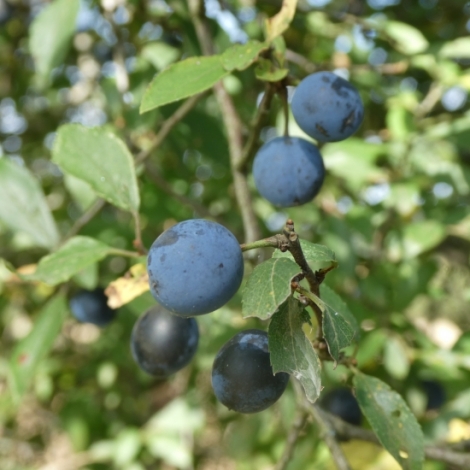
276,25
125,289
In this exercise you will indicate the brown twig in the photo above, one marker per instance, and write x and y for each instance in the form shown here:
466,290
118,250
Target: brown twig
296,251
441,453
154,174
138,243
292,439
233,127
256,126
85,218
327,431
168,125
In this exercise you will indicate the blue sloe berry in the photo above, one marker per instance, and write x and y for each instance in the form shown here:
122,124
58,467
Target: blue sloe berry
92,307
163,343
342,403
195,267
288,171
242,376
327,107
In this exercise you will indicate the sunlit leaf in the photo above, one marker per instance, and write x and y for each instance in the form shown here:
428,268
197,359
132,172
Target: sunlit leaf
241,56
102,160
75,255
183,79
51,35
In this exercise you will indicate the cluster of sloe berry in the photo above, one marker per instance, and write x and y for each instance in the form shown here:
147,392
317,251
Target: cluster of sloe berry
196,266
289,171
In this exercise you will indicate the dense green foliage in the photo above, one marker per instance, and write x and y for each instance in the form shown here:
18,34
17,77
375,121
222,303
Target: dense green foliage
106,144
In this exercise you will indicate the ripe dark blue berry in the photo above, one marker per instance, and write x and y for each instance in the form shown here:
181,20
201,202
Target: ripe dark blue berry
242,376
435,394
342,403
91,307
163,343
195,267
288,171
327,107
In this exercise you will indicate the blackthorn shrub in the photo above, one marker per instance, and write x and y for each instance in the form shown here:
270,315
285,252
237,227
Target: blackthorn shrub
195,267
342,403
288,171
91,307
242,376
327,107
163,343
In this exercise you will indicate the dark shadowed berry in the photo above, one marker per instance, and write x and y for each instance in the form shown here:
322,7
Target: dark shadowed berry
163,343
92,307
242,376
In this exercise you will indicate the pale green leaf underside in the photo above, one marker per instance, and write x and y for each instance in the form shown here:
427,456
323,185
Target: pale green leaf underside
78,253
339,325
31,350
51,35
392,421
268,287
23,206
290,349
102,160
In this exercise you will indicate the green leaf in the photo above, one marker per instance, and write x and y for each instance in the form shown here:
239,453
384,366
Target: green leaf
406,38
160,54
422,236
51,36
23,206
102,160
339,325
354,161
185,78
457,49
30,351
241,56
290,349
318,256
279,23
395,359
78,253
268,72
268,287
392,421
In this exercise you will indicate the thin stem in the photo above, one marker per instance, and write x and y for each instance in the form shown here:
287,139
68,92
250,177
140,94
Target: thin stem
327,431
233,128
272,242
296,251
125,253
168,125
85,218
154,174
256,127
292,439
138,244
285,108
433,452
